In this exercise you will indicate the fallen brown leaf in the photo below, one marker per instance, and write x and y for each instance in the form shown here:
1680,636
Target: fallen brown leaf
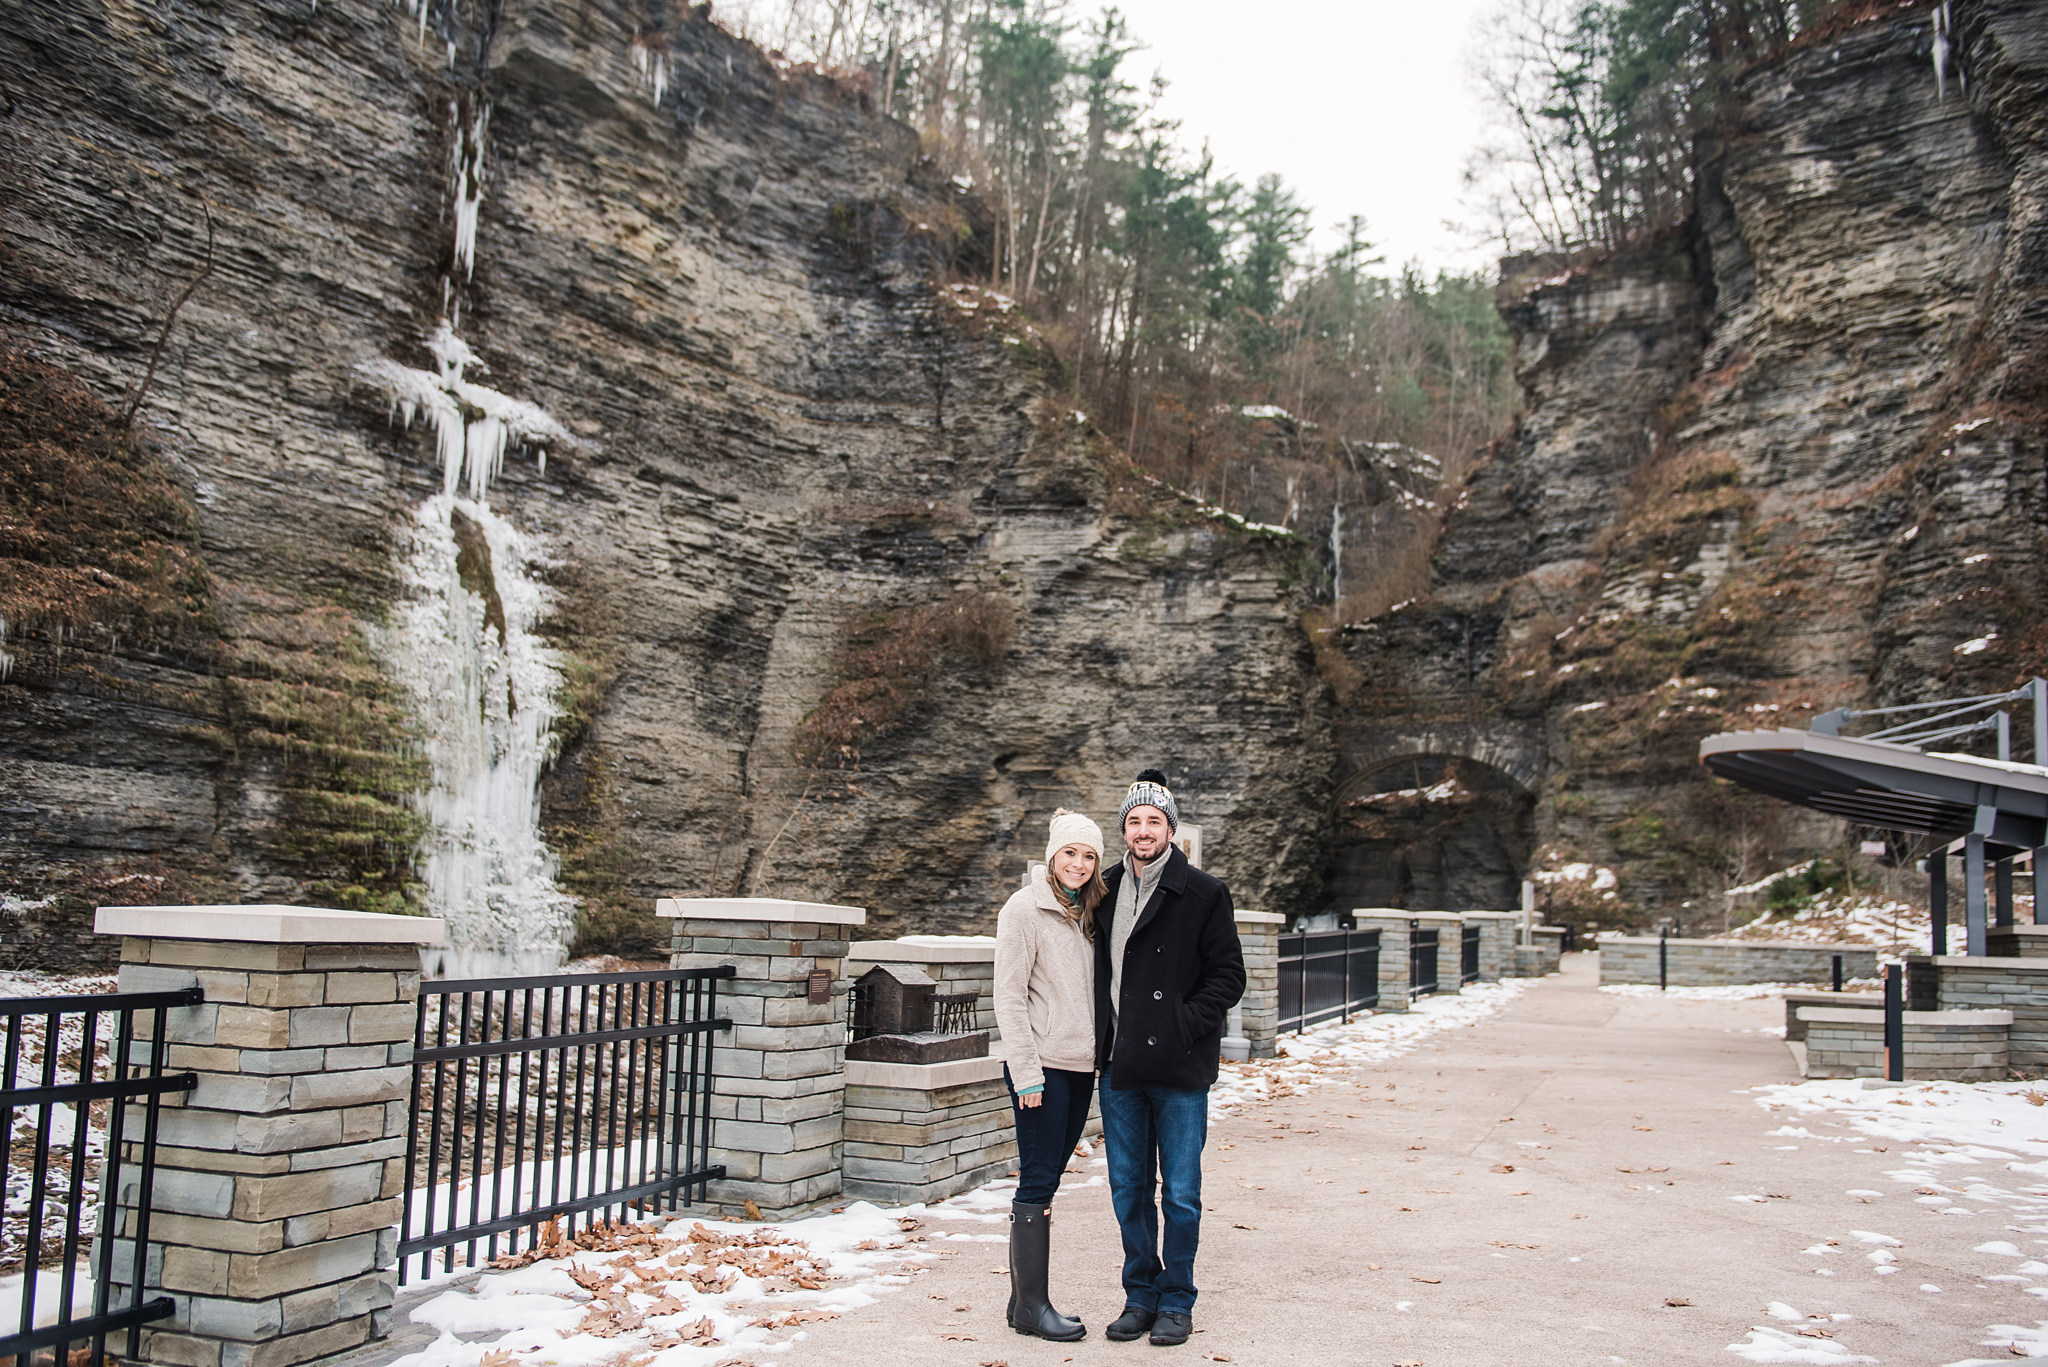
1520,1193
1812,1332
1410,1209
753,1211
1418,1277
958,1338
1676,1301
1642,1127
499,1357
1233,1226
1372,1267
1503,1167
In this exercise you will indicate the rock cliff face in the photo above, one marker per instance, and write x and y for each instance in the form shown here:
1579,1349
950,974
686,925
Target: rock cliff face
839,599
1785,457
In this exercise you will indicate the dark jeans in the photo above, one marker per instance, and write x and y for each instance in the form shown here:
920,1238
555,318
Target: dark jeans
1157,1131
1048,1132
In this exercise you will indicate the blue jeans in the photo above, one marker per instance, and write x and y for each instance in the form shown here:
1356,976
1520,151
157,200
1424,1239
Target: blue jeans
1048,1132
1157,1131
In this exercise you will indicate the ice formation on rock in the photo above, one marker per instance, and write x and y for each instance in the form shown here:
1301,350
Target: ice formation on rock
464,644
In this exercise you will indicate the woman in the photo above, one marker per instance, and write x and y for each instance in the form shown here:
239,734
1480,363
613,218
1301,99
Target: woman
1045,1007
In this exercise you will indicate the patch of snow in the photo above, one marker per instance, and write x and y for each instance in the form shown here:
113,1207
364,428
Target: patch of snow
1981,643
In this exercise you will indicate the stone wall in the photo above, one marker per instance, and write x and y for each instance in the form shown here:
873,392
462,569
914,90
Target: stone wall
1948,1046
1718,963
924,1132
2016,985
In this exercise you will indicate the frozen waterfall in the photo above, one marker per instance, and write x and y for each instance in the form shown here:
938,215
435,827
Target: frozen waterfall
464,645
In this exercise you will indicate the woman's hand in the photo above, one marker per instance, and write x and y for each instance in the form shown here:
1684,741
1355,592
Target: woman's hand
1028,1100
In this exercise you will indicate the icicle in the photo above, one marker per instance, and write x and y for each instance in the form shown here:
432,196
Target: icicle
1941,50
466,191
652,66
6,660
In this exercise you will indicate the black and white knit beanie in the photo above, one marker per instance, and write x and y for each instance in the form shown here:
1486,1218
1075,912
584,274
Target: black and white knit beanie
1150,791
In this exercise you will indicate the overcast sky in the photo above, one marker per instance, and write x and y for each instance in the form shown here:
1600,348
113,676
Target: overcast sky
1363,107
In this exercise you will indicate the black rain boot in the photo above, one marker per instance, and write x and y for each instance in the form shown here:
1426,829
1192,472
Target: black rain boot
1030,1253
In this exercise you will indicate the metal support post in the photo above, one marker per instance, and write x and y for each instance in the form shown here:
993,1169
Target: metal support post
1663,960
1894,1023
1937,897
1974,910
1838,973
2001,883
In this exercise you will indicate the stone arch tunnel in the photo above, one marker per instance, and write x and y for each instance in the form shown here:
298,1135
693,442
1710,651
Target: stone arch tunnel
1438,818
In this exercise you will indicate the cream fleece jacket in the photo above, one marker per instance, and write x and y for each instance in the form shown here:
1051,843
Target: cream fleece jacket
1045,988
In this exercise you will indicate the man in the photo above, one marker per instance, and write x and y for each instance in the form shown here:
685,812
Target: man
1168,968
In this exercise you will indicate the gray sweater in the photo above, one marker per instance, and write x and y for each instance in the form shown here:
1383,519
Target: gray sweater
1131,896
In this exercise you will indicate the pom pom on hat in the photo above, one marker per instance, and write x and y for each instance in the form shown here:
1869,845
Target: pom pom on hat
1072,828
1151,791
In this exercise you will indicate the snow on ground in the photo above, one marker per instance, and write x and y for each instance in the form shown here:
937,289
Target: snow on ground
1849,919
1963,1149
685,1292
1306,1058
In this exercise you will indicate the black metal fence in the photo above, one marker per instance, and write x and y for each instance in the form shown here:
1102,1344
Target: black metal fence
549,1099
1422,955
81,1170
1468,956
1327,976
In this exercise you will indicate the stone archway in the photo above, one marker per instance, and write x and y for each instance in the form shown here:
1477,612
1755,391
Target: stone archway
1430,830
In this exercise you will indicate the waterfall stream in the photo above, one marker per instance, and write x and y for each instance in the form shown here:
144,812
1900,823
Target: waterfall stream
463,644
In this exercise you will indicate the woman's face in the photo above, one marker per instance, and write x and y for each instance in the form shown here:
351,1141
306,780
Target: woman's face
1073,865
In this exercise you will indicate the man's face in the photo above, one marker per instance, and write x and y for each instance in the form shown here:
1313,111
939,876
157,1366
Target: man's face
1146,833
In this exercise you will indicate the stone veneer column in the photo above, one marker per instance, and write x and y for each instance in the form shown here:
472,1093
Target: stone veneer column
779,1097
279,1176
1392,924
1258,933
1496,942
1450,947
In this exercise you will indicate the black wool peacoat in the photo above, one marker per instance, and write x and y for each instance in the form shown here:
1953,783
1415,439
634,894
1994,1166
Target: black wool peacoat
1183,971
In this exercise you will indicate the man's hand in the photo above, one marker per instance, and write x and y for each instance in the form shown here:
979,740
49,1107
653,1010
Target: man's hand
1028,1100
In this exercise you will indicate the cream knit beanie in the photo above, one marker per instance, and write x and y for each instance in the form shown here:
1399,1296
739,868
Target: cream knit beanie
1071,828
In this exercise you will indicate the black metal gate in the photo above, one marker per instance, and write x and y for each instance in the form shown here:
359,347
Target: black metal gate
1327,976
1468,956
1422,953
74,1200
542,1100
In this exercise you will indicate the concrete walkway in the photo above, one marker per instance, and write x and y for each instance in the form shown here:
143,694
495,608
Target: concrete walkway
1375,1221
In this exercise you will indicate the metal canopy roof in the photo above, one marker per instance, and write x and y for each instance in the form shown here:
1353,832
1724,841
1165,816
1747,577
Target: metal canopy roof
1890,786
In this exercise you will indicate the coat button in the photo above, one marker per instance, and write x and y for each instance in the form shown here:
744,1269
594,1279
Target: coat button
1155,996
1151,1039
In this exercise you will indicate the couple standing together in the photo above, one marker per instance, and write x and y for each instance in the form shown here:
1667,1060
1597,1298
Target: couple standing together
1126,974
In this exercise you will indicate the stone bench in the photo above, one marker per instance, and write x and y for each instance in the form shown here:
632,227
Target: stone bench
1947,1046
1795,1027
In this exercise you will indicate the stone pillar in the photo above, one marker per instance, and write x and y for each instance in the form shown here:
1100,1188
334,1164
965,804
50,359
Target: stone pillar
1450,948
1496,943
779,1102
1258,932
1392,924
279,1176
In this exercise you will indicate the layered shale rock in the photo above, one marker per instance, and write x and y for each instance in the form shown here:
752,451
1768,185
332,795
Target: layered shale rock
841,599
1787,457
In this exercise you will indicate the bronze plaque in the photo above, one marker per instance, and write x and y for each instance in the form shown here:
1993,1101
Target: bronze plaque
821,987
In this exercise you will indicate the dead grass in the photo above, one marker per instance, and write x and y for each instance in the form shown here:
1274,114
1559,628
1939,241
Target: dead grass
890,659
